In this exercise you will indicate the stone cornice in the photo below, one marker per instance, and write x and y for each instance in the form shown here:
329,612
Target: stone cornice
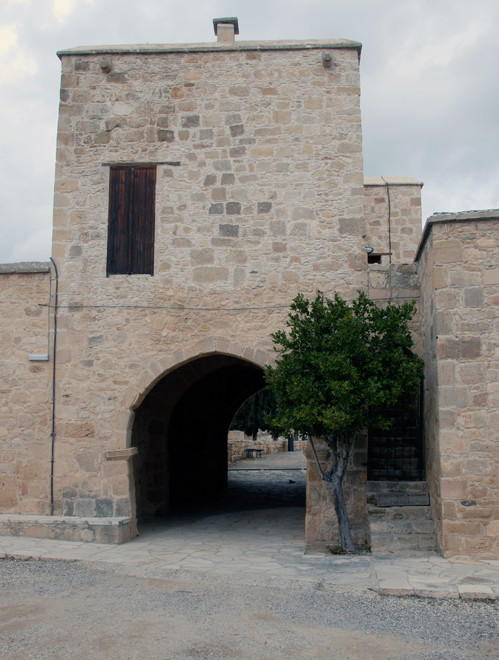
25,267
463,216
135,49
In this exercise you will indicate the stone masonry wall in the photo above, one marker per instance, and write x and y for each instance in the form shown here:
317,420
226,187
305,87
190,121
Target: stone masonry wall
459,270
267,200
398,283
24,389
238,443
269,190
393,208
426,275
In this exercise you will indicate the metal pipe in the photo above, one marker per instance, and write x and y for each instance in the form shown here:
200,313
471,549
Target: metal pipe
389,220
54,348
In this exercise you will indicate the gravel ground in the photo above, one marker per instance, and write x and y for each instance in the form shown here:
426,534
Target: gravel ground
76,610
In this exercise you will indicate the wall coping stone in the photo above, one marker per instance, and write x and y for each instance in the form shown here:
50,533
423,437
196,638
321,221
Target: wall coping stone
117,521
134,49
463,216
25,267
370,181
114,529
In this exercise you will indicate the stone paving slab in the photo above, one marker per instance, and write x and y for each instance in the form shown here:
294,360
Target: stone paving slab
426,577
264,540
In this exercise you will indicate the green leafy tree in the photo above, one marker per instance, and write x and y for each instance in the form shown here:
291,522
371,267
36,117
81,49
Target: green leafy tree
255,413
339,365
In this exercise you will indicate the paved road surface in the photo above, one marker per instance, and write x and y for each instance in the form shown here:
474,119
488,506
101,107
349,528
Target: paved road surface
89,611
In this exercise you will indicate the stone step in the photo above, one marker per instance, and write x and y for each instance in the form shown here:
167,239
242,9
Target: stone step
400,529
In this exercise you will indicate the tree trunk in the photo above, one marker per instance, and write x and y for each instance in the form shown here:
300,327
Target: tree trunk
341,448
336,486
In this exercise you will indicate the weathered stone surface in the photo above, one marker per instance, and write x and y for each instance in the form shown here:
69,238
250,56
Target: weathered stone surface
461,449
229,230
166,135
404,196
103,529
233,208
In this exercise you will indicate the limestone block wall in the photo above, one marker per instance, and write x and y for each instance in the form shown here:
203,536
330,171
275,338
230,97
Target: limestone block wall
25,421
459,271
398,283
238,443
259,196
268,192
393,217
432,418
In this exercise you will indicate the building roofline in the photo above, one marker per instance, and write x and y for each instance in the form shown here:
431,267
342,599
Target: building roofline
391,181
135,49
25,267
462,216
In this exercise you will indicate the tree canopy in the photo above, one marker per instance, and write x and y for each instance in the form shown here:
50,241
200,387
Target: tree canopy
339,364
254,415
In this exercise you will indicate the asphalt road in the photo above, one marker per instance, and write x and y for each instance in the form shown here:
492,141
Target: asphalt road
55,609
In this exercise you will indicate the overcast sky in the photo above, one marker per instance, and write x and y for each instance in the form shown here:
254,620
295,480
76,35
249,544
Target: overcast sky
429,83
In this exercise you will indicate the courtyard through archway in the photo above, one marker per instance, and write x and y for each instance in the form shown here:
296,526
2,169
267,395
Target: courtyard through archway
181,470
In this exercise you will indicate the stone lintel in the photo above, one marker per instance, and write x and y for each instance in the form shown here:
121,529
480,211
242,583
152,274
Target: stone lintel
121,454
136,49
149,163
25,267
464,216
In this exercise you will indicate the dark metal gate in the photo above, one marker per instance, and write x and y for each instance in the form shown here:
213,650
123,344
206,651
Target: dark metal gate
397,453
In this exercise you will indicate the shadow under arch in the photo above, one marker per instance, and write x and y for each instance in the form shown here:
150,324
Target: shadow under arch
180,430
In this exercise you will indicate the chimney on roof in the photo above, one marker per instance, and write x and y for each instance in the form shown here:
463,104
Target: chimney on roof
225,29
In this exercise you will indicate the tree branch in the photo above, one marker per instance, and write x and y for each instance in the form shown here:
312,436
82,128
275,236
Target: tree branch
319,467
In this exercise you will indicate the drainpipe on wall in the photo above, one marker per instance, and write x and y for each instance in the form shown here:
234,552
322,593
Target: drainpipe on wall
52,433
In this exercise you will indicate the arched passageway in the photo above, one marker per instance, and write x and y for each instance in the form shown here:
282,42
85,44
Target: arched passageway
180,430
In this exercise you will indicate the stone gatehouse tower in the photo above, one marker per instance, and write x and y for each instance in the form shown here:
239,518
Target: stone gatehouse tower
198,189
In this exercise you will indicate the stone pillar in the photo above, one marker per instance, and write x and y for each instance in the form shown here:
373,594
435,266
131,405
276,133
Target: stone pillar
321,526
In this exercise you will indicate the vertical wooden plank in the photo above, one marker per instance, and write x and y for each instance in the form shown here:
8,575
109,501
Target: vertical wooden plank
118,255
150,224
144,189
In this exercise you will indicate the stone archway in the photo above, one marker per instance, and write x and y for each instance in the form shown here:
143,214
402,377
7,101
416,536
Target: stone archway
180,431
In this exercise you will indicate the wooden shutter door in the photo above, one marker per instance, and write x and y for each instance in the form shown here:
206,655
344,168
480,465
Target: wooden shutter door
132,201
